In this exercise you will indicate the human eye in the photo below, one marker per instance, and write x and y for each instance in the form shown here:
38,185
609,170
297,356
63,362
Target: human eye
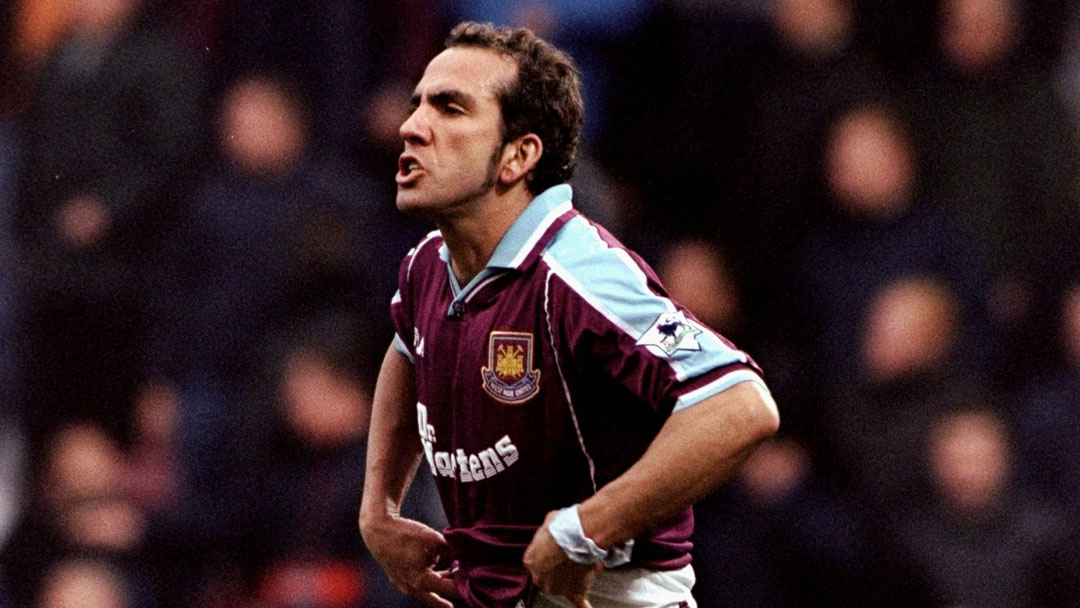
453,109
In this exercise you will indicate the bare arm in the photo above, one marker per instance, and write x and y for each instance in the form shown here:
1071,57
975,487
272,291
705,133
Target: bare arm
407,550
697,449
393,451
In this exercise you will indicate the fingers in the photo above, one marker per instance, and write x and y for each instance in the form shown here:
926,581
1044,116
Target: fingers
433,541
576,593
433,601
441,583
431,589
579,599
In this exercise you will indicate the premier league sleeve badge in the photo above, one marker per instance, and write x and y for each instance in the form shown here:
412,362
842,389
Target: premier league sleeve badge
670,333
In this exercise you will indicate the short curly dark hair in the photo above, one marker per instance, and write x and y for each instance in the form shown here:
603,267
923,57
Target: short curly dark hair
545,99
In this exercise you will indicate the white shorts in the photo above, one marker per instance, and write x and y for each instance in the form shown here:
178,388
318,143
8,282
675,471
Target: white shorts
634,588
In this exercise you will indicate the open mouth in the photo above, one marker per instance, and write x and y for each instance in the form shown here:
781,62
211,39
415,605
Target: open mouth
409,169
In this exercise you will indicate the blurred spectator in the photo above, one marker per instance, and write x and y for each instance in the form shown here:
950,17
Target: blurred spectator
798,542
677,143
284,222
275,236
86,484
984,542
339,51
315,43
29,32
904,379
885,230
310,458
112,131
817,67
591,32
80,506
38,26
696,274
1002,153
911,329
83,583
152,465
1047,421
389,234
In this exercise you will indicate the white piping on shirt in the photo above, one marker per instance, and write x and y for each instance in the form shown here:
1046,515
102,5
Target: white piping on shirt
720,384
599,306
562,379
416,250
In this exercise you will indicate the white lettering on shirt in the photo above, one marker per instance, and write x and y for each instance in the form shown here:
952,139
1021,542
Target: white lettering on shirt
457,464
418,343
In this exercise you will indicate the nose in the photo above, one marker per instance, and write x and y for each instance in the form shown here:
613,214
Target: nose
415,128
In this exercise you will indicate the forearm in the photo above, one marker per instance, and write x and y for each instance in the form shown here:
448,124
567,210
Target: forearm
394,449
697,449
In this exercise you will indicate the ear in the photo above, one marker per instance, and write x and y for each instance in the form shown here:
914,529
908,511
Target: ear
519,158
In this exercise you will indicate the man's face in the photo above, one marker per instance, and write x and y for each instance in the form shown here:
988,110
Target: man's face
453,135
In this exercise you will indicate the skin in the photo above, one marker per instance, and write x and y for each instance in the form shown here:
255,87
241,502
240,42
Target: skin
465,179
407,550
697,449
456,171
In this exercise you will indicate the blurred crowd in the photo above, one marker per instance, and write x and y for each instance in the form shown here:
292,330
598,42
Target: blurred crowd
877,199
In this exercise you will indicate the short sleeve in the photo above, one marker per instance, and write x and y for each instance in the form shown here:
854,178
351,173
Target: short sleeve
401,311
609,311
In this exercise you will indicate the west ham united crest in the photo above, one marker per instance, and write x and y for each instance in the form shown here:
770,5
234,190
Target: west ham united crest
508,376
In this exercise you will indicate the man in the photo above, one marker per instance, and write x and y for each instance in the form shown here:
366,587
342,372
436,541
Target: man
570,412
112,138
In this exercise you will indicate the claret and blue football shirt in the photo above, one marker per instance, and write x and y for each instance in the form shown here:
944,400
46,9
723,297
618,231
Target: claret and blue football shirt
544,378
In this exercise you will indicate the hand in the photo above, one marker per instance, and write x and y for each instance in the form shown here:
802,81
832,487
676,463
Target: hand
408,551
554,572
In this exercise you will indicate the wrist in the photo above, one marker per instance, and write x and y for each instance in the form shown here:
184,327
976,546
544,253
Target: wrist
373,517
565,527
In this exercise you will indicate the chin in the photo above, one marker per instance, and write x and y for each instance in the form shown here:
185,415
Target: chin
406,199
411,204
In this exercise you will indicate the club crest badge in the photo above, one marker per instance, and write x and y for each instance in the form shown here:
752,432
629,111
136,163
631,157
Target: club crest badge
508,376
672,332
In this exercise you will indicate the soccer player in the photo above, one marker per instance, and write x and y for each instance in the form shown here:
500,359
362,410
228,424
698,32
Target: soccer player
570,412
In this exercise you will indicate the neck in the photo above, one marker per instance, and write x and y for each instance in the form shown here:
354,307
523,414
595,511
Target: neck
473,236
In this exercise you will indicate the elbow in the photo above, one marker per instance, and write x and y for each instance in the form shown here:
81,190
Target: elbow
369,526
764,415
368,517
769,423
363,523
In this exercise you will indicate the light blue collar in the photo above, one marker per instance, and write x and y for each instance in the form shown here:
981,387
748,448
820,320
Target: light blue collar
519,240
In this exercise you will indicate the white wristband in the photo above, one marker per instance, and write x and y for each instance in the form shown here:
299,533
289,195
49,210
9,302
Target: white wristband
566,529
